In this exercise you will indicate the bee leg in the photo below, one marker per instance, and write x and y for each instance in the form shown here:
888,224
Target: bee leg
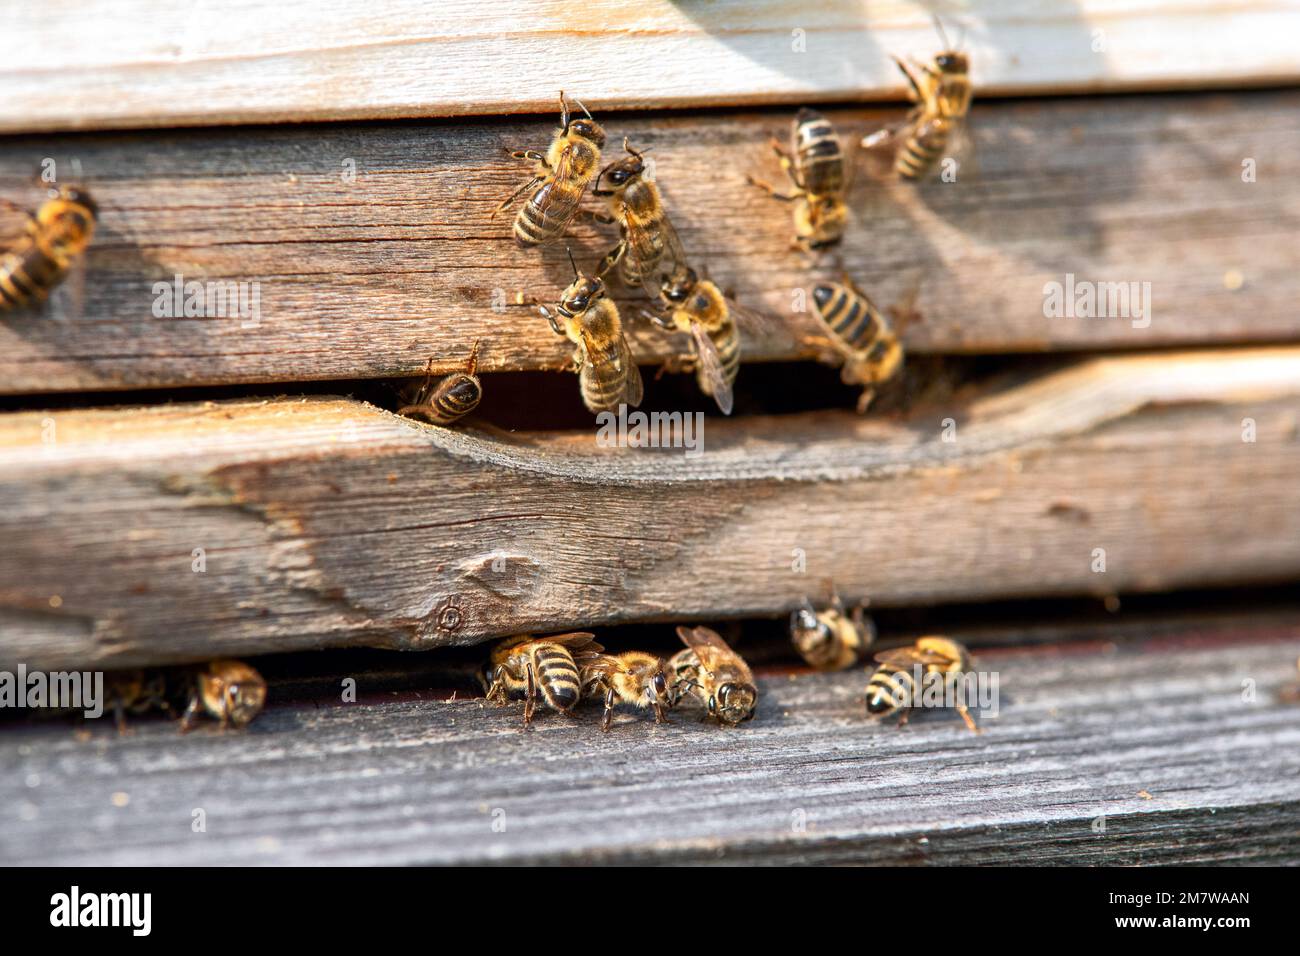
864,400
531,155
530,694
659,713
517,193
579,360
191,714
609,709
612,258
119,717
970,721
906,715
912,79
771,190
787,164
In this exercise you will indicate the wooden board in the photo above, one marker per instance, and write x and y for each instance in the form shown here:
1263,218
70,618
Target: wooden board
325,521
1144,753
372,277
149,63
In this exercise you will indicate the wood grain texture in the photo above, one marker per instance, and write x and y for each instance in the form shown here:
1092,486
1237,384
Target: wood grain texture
147,63
328,522
1081,734
372,277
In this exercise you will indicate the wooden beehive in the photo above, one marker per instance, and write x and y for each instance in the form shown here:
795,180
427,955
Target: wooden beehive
175,488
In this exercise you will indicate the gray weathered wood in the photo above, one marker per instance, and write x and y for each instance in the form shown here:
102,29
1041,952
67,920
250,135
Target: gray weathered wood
372,277
1081,734
326,521
146,63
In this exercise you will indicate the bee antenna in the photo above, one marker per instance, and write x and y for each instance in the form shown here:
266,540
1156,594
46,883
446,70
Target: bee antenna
584,109
938,25
473,357
564,112
572,263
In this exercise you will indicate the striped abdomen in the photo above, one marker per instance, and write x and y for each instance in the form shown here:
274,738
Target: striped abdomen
644,220
854,321
922,150
27,274
818,157
604,387
557,676
891,688
685,668
547,212
827,647
452,399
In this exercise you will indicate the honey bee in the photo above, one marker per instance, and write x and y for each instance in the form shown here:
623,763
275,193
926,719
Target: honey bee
831,640
228,691
862,340
135,692
526,666
561,177
942,92
893,686
819,174
607,373
634,678
714,675
698,307
451,399
647,238
56,234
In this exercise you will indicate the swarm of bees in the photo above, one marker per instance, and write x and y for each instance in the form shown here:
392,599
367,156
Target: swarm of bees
230,692
562,670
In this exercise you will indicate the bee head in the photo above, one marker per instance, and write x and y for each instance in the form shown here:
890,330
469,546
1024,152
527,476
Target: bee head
952,62
880,702
734,703
243,693
678,286
588,129
68,219
620,174
804,619
580,296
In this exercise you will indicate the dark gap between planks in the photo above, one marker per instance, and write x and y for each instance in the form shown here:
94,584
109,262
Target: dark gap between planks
1209,617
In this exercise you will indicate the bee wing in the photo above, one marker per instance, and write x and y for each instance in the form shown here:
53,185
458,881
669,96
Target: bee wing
69,296
574,640
604,363
907,656
962,148
555,203
711,368
651,275
753,322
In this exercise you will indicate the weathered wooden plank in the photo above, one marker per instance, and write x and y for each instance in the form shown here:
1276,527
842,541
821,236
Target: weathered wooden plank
327,521
1156,739
372,277
146,63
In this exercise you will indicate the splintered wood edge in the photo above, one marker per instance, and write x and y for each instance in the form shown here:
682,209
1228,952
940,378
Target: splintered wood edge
141,66
1051,407
326,522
